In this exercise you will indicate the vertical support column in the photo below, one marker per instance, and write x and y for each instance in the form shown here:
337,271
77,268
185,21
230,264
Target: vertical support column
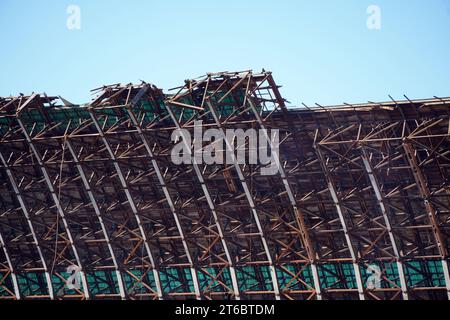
337,204
431,210
170,201
11,268
249,199
96,207
300,219
57,204
18,195
131,202
381,204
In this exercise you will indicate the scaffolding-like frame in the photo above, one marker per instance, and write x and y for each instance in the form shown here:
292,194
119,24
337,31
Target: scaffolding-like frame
94,186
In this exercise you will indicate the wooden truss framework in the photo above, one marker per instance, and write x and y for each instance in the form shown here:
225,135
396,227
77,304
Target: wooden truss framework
94,186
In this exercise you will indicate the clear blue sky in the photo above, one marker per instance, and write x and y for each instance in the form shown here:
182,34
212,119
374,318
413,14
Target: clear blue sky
320,51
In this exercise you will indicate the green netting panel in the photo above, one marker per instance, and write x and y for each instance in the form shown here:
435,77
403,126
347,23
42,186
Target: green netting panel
254,278
416,271
35,118
32,283
251,278
207,283
109,118
174,280
287,281
98,283
388,269
146,112
337,276
72,115
60,285
133,286
102,282
231,102
187,113
391,272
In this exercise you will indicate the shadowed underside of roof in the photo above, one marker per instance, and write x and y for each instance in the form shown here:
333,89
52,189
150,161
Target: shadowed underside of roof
360,187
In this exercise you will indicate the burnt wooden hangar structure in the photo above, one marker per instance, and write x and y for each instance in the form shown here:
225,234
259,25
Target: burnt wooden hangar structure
94,186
